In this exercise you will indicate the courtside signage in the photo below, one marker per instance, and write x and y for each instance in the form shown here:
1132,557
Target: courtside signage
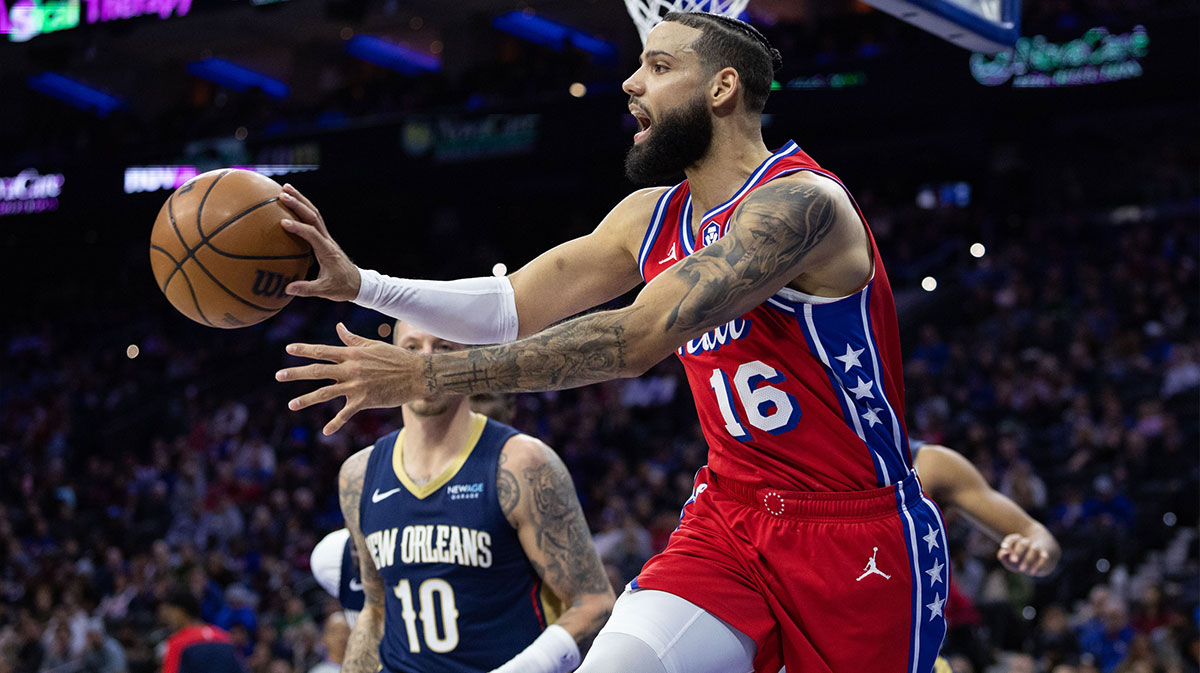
1037,63
23,20
30,192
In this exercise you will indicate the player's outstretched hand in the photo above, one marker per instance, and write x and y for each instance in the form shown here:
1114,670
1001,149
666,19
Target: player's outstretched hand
370,374
339,278
1036,556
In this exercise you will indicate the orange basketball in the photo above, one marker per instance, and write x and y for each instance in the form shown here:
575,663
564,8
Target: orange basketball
218,252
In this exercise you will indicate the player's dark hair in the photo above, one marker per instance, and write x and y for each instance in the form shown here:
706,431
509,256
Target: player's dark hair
182,598
726,42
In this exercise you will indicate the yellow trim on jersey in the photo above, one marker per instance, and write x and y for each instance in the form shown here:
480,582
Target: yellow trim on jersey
478,423
552,606
940,665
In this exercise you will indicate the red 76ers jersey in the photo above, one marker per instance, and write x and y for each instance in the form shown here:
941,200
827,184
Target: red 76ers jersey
804,393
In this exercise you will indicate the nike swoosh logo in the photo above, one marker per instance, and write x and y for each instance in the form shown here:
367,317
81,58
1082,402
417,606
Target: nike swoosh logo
377,496
355,585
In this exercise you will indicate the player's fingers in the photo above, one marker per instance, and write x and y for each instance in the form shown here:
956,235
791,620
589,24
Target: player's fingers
303,210
309,373
350,338
295,193
1039,564
1017,555
318,396
317,352
302,288
340,419
290,189
321,244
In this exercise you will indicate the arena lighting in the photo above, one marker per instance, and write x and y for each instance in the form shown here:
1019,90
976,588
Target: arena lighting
392,56
140,179
75,94
535,29
233,76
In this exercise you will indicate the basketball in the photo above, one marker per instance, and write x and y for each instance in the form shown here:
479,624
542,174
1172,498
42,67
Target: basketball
218,252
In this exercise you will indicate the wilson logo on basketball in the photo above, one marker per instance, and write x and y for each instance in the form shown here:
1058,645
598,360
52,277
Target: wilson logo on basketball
270,284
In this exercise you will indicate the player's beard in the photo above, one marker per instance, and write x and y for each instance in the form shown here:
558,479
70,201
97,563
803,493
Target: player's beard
430,406
680,138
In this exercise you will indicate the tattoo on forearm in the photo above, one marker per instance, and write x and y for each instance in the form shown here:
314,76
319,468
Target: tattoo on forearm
772,230
574,353
362,649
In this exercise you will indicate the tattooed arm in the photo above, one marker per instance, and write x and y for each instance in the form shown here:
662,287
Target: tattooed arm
362,651
801,228
538,498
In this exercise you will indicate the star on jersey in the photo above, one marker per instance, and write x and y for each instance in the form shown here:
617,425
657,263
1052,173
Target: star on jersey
935,573
931,539
872,416
863,390
850,359
935,608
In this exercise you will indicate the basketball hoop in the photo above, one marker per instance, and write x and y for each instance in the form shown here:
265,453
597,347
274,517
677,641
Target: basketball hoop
648,13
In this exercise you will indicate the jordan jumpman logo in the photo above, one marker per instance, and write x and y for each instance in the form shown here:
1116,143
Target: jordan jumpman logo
871,569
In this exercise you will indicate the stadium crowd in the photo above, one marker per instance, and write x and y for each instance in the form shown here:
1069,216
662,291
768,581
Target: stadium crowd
1065,364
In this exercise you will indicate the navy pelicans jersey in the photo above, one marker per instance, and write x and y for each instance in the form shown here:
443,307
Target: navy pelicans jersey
804,391
460,594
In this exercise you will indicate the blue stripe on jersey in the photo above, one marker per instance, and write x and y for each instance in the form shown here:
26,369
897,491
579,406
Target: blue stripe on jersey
655,228
898,438
817,349
930,573
685,233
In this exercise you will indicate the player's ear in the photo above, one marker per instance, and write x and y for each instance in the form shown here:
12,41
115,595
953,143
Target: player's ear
723,90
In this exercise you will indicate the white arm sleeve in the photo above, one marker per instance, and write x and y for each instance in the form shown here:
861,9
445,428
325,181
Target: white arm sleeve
468,311
554,651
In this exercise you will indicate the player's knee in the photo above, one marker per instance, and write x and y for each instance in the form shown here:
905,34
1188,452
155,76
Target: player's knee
621,653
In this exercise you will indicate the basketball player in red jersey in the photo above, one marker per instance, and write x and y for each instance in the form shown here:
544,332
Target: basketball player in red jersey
807,540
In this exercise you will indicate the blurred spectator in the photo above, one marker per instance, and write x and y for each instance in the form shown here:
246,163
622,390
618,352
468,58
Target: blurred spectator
194,647
334,636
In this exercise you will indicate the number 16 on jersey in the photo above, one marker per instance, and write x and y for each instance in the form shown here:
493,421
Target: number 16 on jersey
765,407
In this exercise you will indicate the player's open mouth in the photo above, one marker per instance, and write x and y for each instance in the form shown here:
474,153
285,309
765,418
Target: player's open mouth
643,121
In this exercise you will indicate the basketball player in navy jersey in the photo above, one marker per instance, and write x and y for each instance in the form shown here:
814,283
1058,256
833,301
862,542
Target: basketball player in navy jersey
474,552
762,275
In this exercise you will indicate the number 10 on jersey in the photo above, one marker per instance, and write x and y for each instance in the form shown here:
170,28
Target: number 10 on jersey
765,407
434,593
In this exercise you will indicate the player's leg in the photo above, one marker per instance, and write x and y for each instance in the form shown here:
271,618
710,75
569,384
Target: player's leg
657,632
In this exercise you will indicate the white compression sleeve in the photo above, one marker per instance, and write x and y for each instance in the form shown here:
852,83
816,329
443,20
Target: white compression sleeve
468,311
554,651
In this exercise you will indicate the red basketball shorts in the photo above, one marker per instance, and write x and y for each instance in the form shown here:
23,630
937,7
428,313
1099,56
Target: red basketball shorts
823,582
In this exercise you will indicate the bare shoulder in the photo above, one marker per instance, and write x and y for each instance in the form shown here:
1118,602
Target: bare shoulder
355,467
350,486
807,192
632,215
522,451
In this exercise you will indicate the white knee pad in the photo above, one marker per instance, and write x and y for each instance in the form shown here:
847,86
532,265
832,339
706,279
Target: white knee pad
679,637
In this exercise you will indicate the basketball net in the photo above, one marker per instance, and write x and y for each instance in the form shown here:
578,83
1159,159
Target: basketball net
648,13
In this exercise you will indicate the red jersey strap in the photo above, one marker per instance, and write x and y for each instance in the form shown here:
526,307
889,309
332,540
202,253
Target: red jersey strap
185,638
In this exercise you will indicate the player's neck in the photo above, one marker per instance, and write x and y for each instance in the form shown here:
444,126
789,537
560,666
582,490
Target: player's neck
432,442
734,154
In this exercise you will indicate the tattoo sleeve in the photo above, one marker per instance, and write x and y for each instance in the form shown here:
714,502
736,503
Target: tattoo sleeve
772,232
362,650
559,545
